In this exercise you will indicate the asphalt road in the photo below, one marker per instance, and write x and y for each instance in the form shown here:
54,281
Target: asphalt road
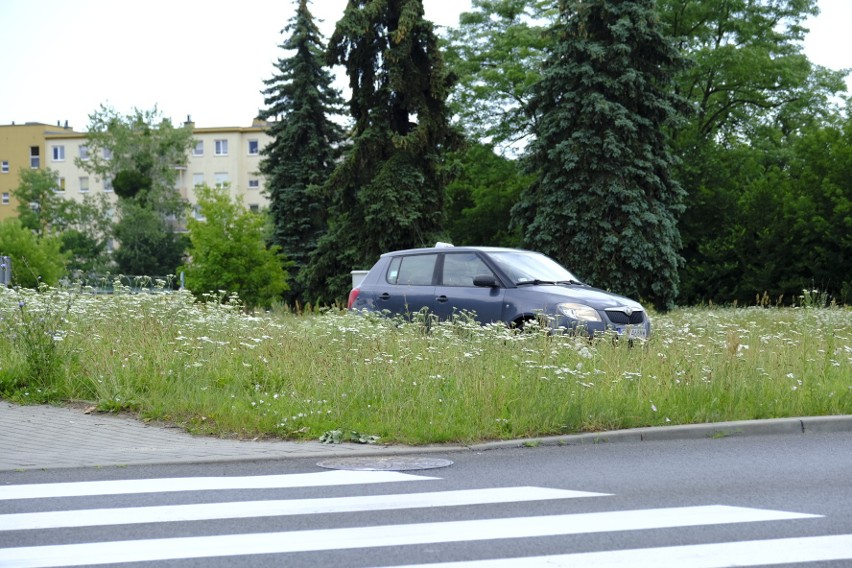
746,501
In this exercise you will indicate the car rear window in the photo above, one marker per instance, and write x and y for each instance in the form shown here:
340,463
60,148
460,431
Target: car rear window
414,270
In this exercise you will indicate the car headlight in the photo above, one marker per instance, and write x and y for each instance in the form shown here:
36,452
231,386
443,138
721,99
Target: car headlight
580,312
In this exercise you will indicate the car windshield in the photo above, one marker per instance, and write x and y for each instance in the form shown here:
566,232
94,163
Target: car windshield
531,268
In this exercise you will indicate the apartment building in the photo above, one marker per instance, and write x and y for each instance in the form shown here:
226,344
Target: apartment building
22,146
73,182
227,156
220,156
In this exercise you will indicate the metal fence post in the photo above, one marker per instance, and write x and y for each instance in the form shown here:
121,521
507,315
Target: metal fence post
5,271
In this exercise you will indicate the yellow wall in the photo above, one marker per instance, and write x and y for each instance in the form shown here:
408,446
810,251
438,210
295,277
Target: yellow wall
15,143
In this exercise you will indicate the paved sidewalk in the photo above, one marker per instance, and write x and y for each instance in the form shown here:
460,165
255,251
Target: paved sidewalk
47,437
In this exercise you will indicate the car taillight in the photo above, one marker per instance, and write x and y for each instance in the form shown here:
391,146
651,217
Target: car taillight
352,296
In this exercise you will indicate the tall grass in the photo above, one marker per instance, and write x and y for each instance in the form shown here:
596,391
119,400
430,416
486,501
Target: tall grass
214,369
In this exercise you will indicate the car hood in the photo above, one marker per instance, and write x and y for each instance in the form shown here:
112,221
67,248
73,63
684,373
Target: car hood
594,297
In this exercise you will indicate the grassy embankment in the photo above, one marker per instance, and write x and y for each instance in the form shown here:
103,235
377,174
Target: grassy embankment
213,369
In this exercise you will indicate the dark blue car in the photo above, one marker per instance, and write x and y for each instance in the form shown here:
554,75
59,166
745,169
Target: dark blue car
497,285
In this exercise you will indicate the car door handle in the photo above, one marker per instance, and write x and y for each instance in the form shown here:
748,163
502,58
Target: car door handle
384,296
442,299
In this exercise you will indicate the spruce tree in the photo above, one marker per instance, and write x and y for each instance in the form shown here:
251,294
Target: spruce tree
306,142
388,192
604,202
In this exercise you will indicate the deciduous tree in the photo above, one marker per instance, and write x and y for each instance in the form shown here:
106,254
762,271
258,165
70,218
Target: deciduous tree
748,64
781,212
752,87
34,260
480,198
496,52
148,245
83,227
141,154
40,208
228,252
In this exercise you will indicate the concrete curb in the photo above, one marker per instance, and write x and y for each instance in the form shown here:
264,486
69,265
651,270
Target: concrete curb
803,425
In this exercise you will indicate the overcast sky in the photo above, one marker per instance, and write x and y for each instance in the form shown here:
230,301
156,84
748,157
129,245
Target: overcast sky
61,59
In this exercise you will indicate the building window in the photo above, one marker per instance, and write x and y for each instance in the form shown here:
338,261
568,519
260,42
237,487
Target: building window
84,153
84,184
5,198
221,147
4,167
254,208
254,183
35,158
253,148
196,213
60,184
107,185
198,150
107,154
58,153
221,179
197,180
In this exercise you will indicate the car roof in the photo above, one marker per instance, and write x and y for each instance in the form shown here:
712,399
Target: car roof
451,248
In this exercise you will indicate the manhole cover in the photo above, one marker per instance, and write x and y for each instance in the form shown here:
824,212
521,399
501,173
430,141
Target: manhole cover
389,463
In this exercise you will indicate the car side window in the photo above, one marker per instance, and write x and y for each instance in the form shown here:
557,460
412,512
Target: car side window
461,268
414,270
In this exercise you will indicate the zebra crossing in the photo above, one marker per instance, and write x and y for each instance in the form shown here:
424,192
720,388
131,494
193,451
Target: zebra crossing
378,534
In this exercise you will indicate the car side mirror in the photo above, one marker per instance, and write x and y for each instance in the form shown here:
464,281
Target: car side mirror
485,281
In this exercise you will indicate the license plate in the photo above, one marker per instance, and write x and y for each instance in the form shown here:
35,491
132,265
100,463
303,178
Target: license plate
637,332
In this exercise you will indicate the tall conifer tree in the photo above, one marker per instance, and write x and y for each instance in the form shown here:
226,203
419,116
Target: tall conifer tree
604,202
306,142
388,192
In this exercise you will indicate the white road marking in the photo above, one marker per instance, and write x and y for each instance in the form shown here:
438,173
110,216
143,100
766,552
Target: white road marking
164,485
270,508
377,536
722,555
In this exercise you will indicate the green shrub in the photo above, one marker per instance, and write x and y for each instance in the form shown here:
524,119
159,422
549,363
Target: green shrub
34,260
228,252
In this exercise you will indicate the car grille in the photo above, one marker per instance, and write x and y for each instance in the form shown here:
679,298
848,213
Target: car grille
620,317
